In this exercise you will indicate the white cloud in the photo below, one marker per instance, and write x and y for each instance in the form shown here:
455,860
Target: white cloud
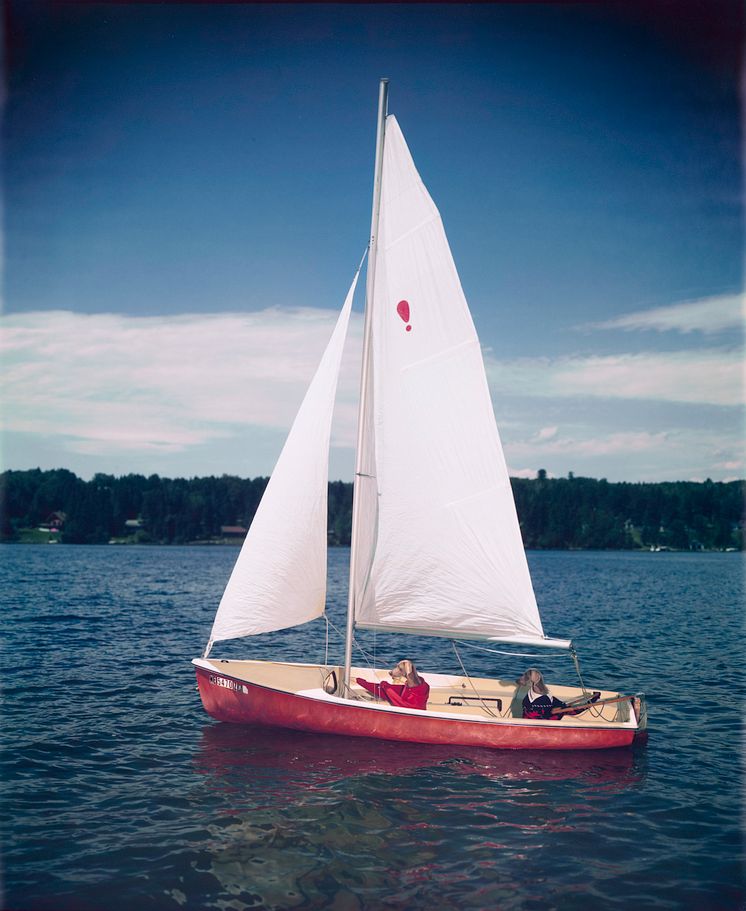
732,465
521,472
706,377
628,442
162,384
525,473
675,453
160,391
708,315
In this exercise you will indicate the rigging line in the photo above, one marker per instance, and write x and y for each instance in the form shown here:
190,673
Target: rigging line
370,660
481,701
336,629
366,656
372,665
574,656
364,696
372,555
355,642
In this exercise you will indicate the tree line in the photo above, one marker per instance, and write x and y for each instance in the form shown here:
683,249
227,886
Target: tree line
554,513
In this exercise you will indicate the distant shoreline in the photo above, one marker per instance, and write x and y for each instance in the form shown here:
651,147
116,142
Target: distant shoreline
236,545
562,514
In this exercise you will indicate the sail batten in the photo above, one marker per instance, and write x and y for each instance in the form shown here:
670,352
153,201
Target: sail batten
402,237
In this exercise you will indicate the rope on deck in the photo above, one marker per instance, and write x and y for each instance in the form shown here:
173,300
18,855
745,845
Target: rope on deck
471,684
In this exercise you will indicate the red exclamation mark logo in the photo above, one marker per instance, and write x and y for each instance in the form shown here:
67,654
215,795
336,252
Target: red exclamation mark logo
402,308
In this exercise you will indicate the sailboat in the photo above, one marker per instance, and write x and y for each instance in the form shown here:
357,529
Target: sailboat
436,547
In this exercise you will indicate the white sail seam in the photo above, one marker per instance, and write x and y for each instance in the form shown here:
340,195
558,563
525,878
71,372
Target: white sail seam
474,496
441,355
401,237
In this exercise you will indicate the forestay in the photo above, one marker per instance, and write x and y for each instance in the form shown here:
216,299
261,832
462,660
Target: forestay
444,551
279,579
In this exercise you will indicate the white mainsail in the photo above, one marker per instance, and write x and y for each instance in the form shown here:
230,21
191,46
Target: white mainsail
443,548
279,579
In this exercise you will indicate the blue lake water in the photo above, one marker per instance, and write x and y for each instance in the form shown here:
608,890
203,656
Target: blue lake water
119,792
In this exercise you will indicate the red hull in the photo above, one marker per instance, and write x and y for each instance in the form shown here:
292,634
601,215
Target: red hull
248,703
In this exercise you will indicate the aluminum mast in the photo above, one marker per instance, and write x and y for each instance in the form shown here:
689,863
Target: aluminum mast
383,91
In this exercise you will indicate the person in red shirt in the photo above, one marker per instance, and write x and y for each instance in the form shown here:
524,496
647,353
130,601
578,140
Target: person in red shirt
412,694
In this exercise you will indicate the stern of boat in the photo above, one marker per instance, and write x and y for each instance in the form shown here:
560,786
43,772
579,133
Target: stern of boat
640,710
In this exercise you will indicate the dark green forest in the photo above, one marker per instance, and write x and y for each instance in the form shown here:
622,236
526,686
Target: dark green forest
555,513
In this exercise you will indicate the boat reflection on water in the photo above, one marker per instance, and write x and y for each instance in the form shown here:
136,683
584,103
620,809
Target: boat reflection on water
295,758
318,821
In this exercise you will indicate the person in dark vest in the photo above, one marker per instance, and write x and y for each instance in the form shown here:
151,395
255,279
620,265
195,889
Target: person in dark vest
539,703
411,694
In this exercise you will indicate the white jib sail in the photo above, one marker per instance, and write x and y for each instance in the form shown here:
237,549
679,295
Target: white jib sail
279,579
447,550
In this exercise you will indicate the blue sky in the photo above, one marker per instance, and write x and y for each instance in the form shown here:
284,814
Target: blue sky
187,191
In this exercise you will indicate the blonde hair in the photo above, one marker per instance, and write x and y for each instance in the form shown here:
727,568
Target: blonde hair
527,679
409,671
